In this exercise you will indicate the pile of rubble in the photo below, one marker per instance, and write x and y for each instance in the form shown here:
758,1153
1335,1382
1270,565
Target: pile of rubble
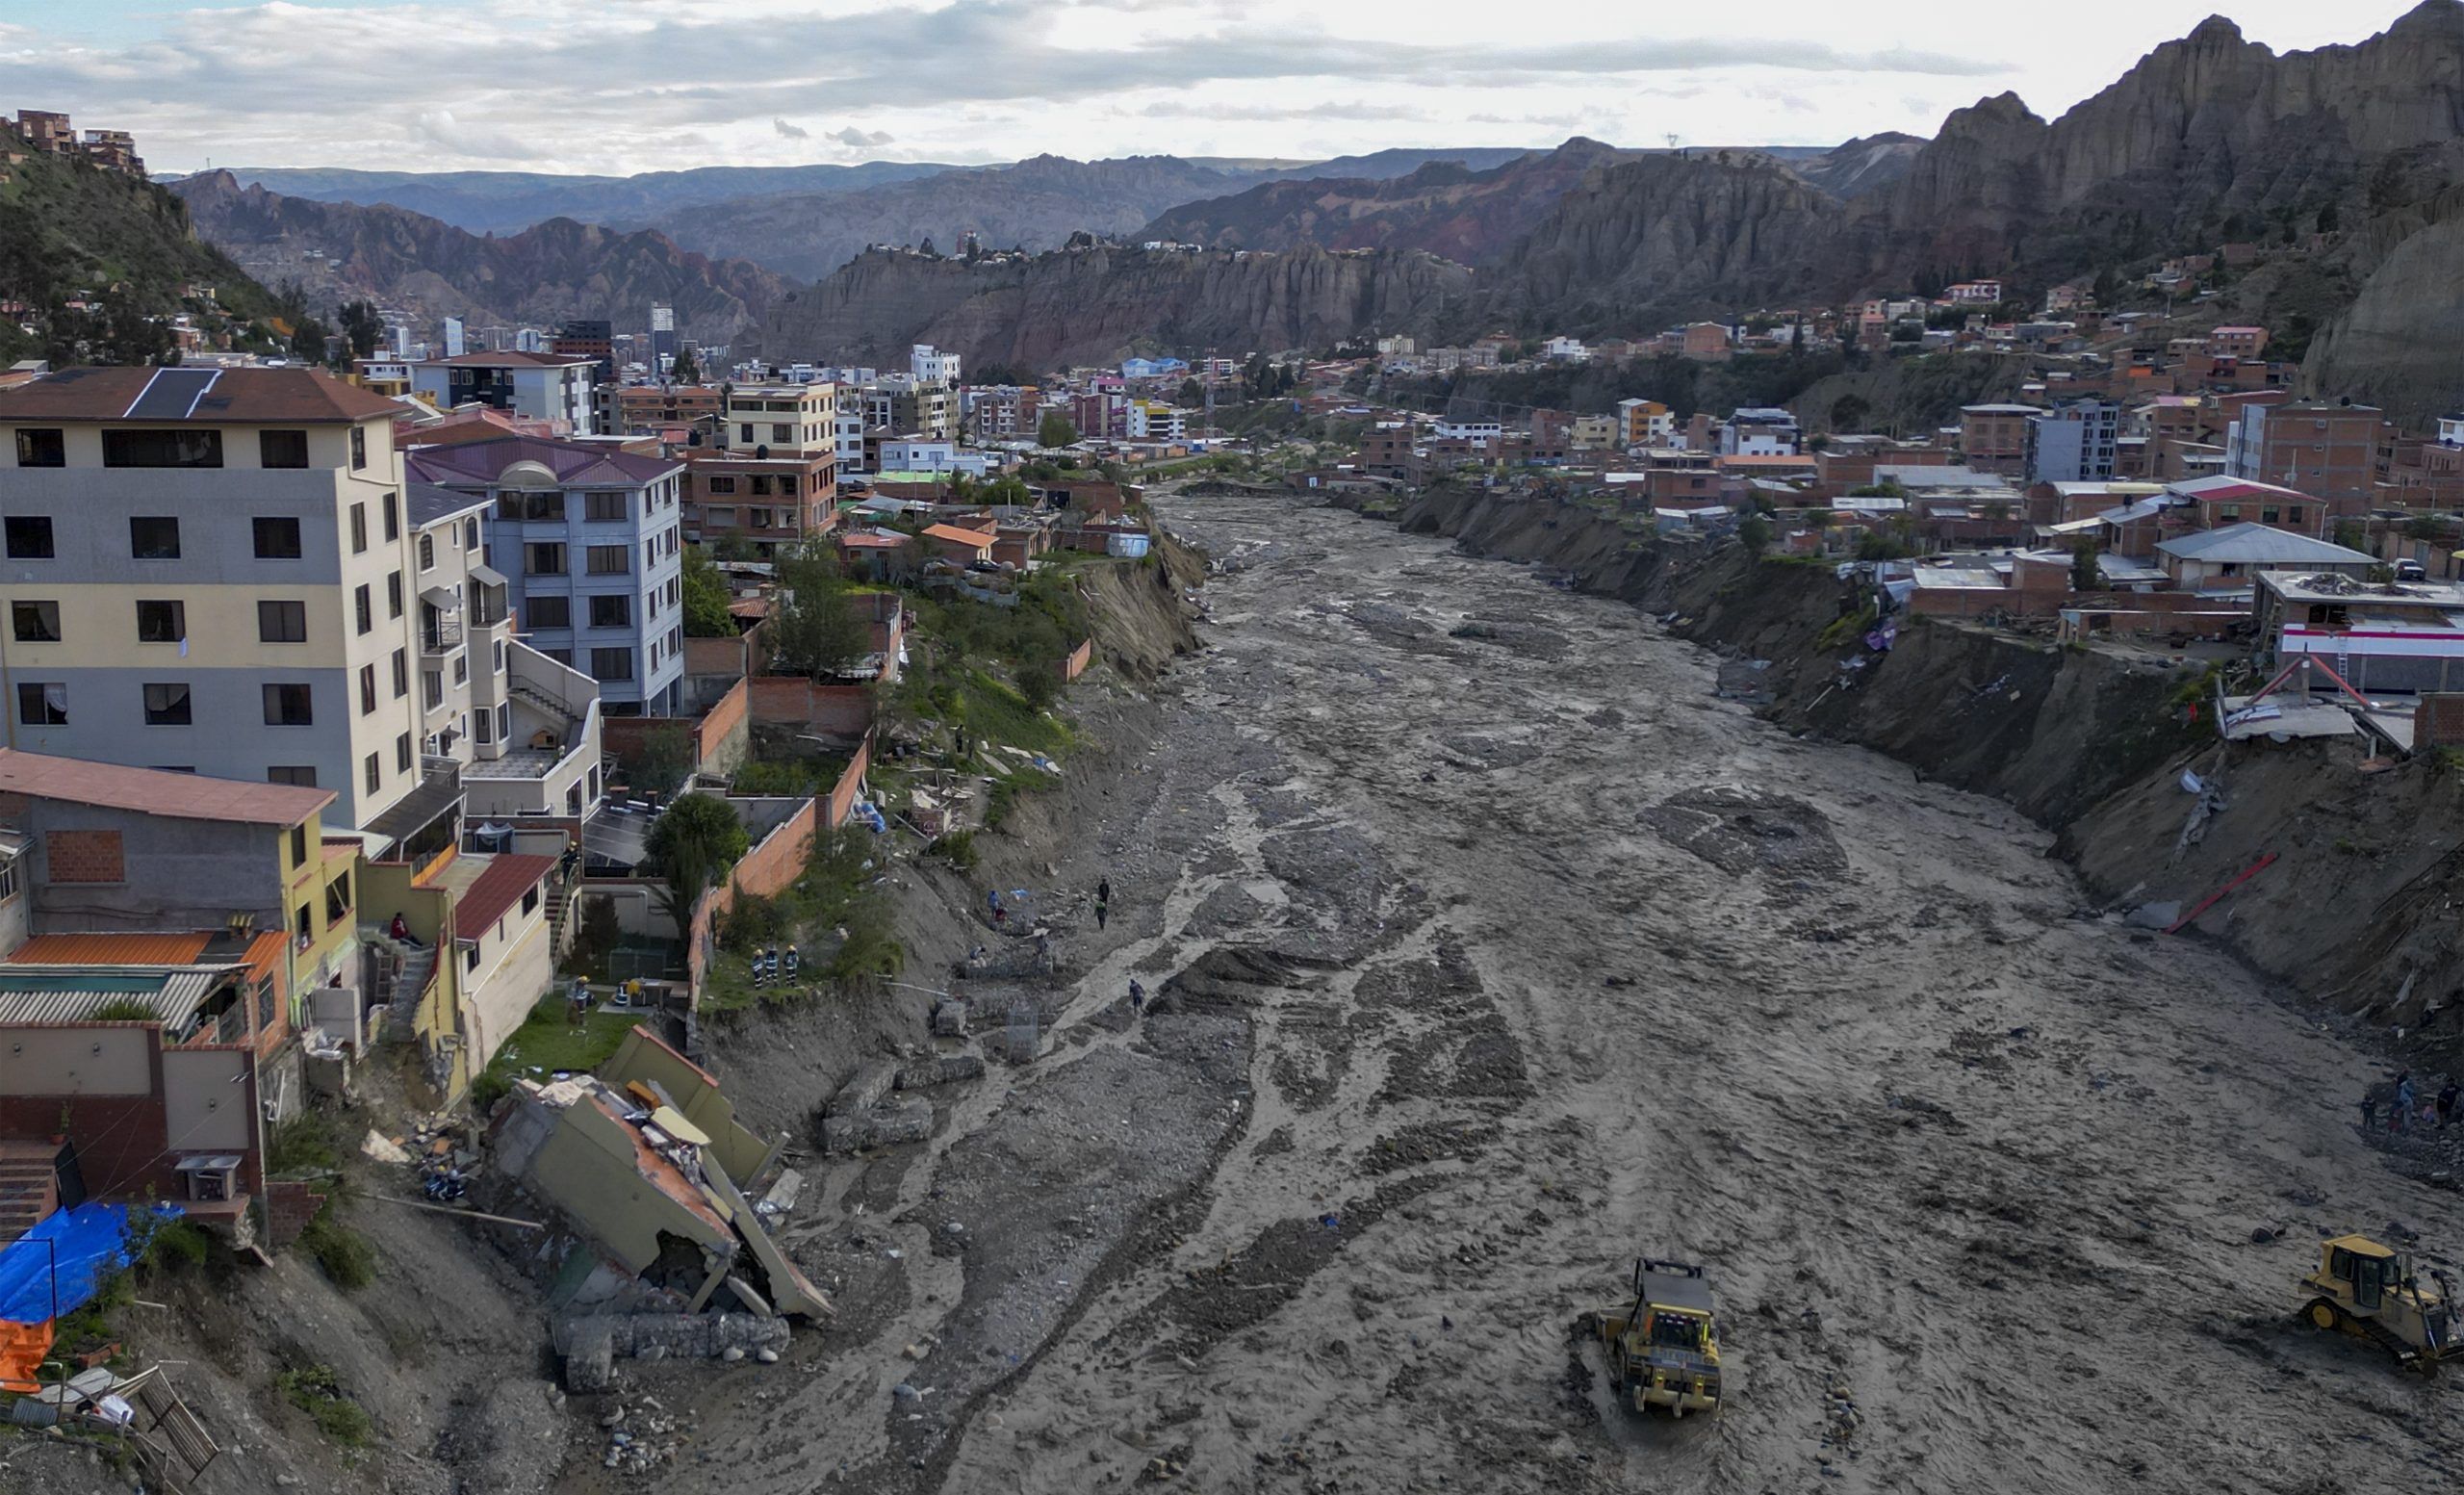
879,1104
639,1438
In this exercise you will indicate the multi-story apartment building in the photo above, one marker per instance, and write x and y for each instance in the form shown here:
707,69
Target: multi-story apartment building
775,479
589,543
907,406
2329,450
543,386
645,407
1154,419
224,571
1003,412
1994,438
931,366
1644,423
2073,442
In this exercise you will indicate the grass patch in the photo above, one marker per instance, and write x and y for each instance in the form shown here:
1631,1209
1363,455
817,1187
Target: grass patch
315,1389
309,1143
1847,629
342,1252
549,1040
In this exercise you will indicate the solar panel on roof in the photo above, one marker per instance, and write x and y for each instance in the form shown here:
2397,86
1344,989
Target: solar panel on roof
172,393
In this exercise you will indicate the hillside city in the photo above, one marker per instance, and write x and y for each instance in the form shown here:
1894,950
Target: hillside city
1137,853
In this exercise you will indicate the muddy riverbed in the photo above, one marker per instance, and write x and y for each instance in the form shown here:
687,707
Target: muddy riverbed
1492,948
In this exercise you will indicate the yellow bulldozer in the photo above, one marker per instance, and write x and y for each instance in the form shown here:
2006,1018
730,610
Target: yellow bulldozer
2372,1292
1664,1347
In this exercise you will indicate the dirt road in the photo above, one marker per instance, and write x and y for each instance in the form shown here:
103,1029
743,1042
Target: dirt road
1494,950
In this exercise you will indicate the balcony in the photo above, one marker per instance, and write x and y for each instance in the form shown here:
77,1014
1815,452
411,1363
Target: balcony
440,635
555,745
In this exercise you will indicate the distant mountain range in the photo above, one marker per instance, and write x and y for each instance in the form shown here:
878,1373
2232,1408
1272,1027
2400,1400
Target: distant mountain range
334,251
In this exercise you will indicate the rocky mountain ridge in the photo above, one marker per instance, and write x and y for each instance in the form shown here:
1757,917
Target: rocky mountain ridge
544,275
1096,304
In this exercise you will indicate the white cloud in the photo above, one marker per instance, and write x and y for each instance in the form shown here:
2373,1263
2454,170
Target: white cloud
580,85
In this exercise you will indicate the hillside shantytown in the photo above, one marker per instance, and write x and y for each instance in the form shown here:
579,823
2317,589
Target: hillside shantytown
1580,818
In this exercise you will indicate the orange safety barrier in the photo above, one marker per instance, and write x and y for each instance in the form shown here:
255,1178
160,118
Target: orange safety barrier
22,1347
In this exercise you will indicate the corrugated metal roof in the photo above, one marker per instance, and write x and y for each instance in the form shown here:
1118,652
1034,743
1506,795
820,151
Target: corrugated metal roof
495,890
181,950
155,791
64,995
2263,544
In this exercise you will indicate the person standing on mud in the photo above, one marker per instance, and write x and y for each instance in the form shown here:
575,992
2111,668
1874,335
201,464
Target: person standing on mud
1137,999
2404,1117
1103,901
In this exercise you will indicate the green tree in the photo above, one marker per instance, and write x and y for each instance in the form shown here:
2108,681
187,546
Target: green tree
1055,430
2084,575
691,846
2350,535
1007,489
684,369
814,630
706,597
1755,535
362,327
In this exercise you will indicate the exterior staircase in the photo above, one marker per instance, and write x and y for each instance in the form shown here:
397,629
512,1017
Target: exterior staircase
401,978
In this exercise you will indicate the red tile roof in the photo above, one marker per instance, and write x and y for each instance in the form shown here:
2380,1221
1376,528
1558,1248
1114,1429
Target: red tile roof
303,397
497,888
156,791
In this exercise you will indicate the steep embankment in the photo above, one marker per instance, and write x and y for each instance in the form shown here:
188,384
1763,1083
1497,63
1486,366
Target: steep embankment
1092,306
2088,742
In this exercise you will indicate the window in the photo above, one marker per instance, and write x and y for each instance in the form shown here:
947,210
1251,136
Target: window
531,898
277,539
499,656
358,448
551,612
393,517
611,663
7,879
41,705
282,623
782,430
155,537
469,955
402,752
367,688
166,705
486,725
431,689
298,777
163,449
161,621
543,560
606,507
373,770
288,705
401,673
363,608
302,928
471,534
2267,516
34,623
29,536
427,553
504,721
462,669
392,594
41,449
282,449
609,559
2292,514
746,427
604,612
719,484
359,528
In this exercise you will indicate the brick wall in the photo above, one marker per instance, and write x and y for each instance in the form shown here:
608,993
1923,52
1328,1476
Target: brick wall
290,1204
2438,720
723,734
850,786
1079,658
82,857
793,701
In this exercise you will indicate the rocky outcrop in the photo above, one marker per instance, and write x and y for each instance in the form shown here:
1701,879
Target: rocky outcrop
1867,164
1036,204
1443,208
2202,130
1665,235
1094,304
2400,344
544,275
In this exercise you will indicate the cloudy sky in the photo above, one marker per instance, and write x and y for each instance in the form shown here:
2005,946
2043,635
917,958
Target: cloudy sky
621,86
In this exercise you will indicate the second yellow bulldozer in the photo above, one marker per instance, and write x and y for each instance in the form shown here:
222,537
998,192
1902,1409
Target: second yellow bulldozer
2372,1292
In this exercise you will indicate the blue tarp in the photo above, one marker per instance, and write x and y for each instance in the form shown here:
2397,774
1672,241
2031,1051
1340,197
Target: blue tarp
83,1244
